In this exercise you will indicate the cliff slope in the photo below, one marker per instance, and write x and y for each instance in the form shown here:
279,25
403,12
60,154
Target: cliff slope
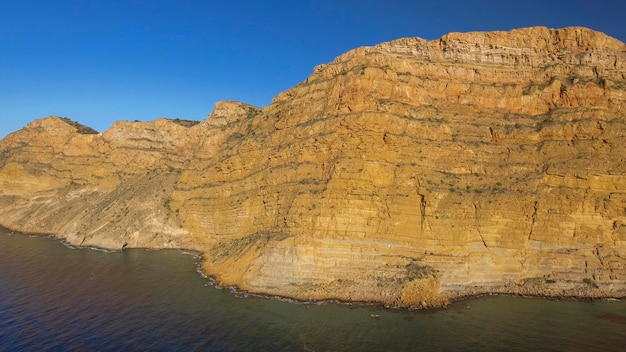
407,173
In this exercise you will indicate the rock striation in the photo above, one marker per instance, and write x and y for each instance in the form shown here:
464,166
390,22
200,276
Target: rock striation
408,173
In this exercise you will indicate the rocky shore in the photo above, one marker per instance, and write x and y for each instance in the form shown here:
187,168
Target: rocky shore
410,173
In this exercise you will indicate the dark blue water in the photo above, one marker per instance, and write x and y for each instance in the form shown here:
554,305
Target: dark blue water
53,298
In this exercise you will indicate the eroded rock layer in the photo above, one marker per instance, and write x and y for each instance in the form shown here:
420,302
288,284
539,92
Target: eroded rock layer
406,173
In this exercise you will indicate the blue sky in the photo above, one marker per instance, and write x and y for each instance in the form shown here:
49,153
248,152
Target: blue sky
101,61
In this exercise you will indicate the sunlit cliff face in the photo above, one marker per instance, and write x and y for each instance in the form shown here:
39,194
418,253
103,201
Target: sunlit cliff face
406,173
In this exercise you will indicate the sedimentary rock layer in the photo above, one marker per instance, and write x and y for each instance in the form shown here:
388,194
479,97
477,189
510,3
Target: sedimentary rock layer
406,173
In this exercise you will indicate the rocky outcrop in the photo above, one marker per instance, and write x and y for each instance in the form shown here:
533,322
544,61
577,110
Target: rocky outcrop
407,173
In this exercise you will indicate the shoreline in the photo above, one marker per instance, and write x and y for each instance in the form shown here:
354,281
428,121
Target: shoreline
586,295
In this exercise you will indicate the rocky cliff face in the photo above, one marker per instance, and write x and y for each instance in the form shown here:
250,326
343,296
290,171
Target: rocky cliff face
407,173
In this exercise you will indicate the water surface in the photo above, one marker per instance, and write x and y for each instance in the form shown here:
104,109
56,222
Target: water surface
54,298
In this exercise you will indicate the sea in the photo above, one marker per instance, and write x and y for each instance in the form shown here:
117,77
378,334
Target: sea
57,298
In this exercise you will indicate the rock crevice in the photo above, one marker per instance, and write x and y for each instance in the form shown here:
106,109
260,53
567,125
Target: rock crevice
407,173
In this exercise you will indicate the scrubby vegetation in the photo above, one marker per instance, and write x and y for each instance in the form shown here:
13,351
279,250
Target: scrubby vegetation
82,129
185,123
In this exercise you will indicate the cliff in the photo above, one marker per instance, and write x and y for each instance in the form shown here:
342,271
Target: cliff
407,173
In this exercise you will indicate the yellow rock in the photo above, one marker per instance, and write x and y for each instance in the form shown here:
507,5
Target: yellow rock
407,173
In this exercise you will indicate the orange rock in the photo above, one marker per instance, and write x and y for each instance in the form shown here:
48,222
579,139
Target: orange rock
407,173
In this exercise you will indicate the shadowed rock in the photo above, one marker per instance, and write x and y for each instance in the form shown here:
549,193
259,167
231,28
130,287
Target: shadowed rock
406,173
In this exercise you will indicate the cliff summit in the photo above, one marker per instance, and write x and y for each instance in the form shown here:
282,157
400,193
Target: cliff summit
407,173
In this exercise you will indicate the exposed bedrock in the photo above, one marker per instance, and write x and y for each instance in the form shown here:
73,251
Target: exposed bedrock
407,173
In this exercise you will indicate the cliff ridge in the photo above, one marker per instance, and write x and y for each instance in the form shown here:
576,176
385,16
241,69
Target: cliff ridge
407,173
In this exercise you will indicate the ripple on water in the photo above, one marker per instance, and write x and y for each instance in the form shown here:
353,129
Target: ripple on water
56,298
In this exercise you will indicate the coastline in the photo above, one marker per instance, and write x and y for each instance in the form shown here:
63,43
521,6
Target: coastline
411,173
531,288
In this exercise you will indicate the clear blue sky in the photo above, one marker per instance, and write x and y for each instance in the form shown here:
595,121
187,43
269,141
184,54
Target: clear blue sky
101,61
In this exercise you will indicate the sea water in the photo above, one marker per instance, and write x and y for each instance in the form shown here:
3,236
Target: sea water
55,298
